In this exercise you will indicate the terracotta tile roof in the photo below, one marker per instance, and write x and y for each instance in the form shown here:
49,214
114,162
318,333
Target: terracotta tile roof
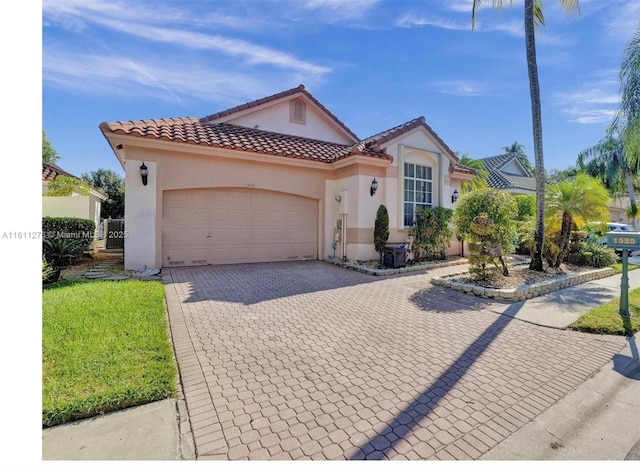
50,172
462,169
377,141
231,136
299,89
502,180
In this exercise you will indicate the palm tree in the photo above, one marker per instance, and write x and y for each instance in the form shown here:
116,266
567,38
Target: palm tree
629,112
533,17
606,161
518,149
573,201
480,180
616,158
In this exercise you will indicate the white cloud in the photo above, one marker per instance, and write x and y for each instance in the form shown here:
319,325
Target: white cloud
117,17
340,10
409,20
590,103
591,116
622,19
460,88
127,76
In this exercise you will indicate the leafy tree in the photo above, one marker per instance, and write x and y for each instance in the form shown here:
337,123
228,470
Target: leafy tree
486,218
381,230
533,17
49,155
64,185
518,149
574,202
526,206
556,175
111,184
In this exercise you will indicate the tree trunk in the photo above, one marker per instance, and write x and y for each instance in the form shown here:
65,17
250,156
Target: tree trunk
565,238
536,115
632,196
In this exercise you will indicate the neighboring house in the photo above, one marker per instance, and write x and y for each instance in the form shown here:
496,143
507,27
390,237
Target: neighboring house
618,207
76,205
507,173
279,178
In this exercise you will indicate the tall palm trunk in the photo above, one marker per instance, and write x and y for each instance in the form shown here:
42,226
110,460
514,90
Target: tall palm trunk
565,238
632,195
536,115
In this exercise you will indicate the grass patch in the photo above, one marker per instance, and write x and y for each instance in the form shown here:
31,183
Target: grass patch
617,268
105,346
606,319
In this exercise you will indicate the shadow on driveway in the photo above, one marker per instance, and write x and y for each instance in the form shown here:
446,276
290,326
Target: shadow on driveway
379,447
258,282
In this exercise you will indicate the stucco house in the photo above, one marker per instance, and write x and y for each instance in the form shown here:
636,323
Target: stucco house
508,173
280,178
618,207
76,205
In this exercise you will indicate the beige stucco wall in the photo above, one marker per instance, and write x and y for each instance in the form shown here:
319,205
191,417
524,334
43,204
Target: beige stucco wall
276,119
140,221
182,166
85,207
67,206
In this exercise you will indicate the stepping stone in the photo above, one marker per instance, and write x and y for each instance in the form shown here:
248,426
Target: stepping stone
96,272
95,277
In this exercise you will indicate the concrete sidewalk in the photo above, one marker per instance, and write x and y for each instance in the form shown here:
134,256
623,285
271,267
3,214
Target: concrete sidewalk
563,307
598,420
148,432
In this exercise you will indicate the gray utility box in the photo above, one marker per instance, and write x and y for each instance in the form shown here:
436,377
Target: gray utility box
395,256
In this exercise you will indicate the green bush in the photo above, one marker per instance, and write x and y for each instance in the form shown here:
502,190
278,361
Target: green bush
593,254
69,228
526,206
381,230
431,231
485,218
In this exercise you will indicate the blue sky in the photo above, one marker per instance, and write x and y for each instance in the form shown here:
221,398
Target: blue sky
374,63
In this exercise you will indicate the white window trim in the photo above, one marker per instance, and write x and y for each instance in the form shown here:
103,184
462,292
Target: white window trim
415,180
292,112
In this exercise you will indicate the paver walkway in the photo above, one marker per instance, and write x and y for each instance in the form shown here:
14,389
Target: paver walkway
305,360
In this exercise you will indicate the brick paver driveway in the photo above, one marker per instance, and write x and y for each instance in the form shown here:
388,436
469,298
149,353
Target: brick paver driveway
307,360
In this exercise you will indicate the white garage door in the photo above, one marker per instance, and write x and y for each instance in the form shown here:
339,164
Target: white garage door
217,226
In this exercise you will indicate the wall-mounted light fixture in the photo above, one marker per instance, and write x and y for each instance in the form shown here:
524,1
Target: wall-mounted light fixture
144,173
338,198
374,187
454,196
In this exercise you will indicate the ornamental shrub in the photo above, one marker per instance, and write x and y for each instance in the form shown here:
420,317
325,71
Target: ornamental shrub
431,232
381,230
69,228
486,218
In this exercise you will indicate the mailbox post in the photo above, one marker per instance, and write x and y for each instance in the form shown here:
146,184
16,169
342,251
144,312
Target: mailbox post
625,241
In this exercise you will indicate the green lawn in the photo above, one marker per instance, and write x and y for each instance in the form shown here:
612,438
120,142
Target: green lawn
105,346
617,268
606,319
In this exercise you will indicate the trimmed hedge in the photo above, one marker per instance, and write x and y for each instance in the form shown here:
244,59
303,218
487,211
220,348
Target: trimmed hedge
69,228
